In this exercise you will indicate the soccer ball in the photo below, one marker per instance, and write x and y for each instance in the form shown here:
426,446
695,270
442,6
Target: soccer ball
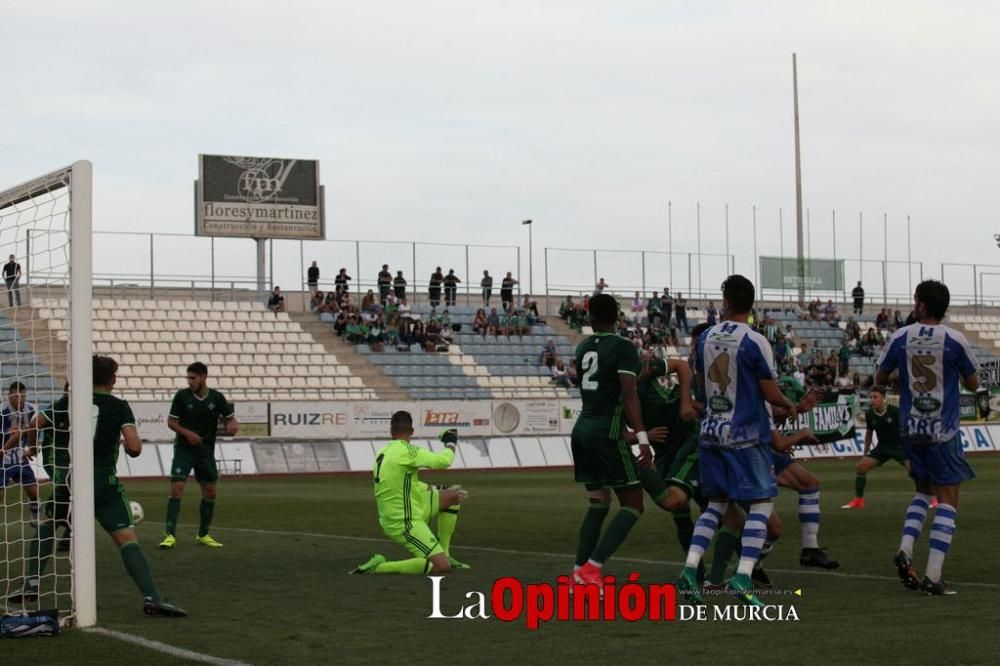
137,513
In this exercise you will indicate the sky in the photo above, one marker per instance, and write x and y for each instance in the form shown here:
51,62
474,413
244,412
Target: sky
451,121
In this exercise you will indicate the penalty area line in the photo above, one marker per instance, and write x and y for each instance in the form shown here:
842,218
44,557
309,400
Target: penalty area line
163,648
636,560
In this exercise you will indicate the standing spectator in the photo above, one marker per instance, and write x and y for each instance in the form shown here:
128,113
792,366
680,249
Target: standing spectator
666,307
843,358
399,286
638,306
711,314
858,294
384,283
450,287
312,278
487,284
653,309
12,278
340,282
434,287
804,358
680,311
276,303
507,291
600,287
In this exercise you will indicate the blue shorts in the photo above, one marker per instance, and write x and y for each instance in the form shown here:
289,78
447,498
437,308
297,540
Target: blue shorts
738,474
941,463
782,461
18,474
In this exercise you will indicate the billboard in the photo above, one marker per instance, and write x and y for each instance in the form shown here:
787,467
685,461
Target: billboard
783,273
259,197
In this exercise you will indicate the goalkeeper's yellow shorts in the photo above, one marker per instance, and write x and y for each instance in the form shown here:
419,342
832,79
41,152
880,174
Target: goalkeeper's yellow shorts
419,540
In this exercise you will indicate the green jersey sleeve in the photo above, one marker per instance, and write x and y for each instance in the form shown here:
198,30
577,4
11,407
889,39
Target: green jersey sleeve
423,458
127,418
627,358
870,420
226,408
177,406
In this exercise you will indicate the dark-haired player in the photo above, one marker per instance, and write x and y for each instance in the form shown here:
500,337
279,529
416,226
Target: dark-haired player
607,366
113,421
932,360
883,420
737,367
406,505
194,416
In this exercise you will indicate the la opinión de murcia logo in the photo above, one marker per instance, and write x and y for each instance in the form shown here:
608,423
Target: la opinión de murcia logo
511,600
262,178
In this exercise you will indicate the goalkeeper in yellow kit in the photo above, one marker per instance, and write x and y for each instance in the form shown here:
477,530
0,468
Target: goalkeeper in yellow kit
406,505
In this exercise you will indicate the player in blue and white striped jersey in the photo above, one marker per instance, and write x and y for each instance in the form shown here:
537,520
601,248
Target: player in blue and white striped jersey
737,367
932,359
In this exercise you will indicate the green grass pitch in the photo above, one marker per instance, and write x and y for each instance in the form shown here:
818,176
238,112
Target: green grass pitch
278,592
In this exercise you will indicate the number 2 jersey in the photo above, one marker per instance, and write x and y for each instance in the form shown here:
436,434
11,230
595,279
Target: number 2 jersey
599,360
931,359
733,358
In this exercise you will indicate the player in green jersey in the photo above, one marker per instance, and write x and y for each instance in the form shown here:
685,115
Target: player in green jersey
602,460
882,419
113,421
406,505
194,416
52,423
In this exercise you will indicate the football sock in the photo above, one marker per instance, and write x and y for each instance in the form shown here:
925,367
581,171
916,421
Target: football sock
138,568
859,485
173,511
725,546
415,567
590,531
913,525
40,550
704,530
206,510
942,530
809,517
615,535
447,520
685,528
33,507
754,534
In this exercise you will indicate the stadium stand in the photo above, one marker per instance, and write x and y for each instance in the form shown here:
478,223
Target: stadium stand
252,354
18,362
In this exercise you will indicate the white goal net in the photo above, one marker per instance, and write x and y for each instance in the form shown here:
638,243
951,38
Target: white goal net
45,246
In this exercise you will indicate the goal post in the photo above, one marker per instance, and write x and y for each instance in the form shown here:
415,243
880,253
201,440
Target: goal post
45,224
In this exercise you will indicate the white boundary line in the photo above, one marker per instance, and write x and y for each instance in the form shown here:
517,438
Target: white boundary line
567,557
163,647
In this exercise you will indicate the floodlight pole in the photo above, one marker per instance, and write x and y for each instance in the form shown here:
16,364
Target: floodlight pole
800,265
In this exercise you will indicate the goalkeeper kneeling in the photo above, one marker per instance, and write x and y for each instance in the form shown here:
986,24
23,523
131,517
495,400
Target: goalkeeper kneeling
406,505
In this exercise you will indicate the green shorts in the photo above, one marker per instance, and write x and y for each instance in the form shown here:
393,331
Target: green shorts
111,505
884,454
187,458
602,462
683,472
57,504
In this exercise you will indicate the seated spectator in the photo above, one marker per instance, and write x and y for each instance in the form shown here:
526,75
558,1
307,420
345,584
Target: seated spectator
330,303
830,313
548,356
276,303
789,335
340,324
572,374
843,383
529,305
316,301
853,331
493,323
376,335
803,358
560,376
392,330
405,334
882,320
898,320
800,376
843,358
480,323
418,335
433,331
368,302
711,314
586,303
813,310
566,308
356,330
